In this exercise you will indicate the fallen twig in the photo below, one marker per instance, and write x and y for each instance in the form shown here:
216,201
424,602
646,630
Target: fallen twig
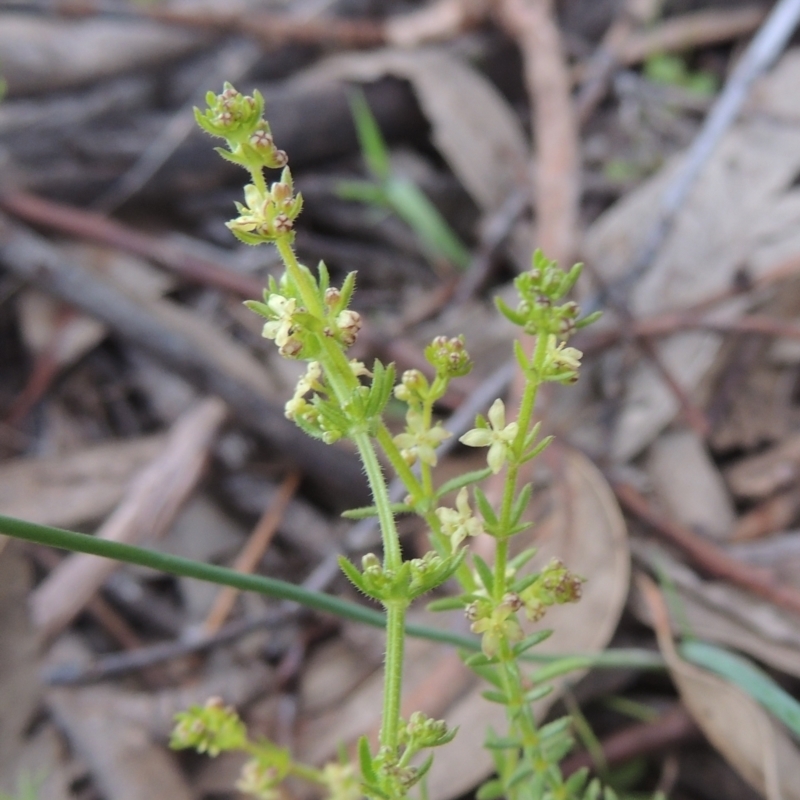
249,557
557,177
689,31
709,557
673,727
98,228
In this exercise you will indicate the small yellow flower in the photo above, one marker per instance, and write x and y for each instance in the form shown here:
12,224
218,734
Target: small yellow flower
497,438
459,522
281,328
419,442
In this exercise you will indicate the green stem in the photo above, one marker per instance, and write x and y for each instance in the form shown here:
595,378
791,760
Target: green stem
380,496
524,417
396,609
301,277
393,674
257,174
187,568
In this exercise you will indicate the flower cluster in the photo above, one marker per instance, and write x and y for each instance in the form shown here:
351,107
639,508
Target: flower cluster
239,120
449,357
210,729
539,290
497,622
267,214
555,584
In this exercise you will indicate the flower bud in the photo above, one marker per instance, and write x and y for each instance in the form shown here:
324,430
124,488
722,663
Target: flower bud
349,324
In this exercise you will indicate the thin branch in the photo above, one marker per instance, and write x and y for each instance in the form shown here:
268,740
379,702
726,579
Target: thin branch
707,556
99,228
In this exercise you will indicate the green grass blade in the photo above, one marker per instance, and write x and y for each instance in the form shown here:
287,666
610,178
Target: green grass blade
748,677
373,145
412,205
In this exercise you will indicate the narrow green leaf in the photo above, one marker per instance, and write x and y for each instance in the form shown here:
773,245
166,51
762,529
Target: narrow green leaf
324,280
365,761
484,573
479,660
521,503
411,204
538,449
463,480
509,313
537,693
426,765
522,358
346,292
523,558
365,512
561,666
531,641
521,773
575,783
491,790
588,319
373,145
353,575
485,507
495,697
494,742
448,603
489,673
555,728
747,676
362,192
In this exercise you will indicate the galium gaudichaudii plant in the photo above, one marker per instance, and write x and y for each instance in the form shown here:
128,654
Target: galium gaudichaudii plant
339,397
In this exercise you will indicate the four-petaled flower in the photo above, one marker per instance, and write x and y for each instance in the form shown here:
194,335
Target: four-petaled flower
281,328
497,438
419,442
459,522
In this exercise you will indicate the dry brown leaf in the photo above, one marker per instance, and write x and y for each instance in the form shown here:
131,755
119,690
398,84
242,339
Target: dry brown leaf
745,209
689,484
473,126
70,490
583,526
744,733
758,476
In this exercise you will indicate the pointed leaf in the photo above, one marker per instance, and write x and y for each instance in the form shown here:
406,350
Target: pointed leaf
463,480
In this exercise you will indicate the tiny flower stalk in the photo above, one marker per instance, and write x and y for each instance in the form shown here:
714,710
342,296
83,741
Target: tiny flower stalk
338,397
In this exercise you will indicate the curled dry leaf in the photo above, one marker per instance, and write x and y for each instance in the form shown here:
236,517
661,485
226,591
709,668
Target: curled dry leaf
744,733
577,520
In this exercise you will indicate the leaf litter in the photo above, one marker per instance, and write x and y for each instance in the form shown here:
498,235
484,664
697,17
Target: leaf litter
71,441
